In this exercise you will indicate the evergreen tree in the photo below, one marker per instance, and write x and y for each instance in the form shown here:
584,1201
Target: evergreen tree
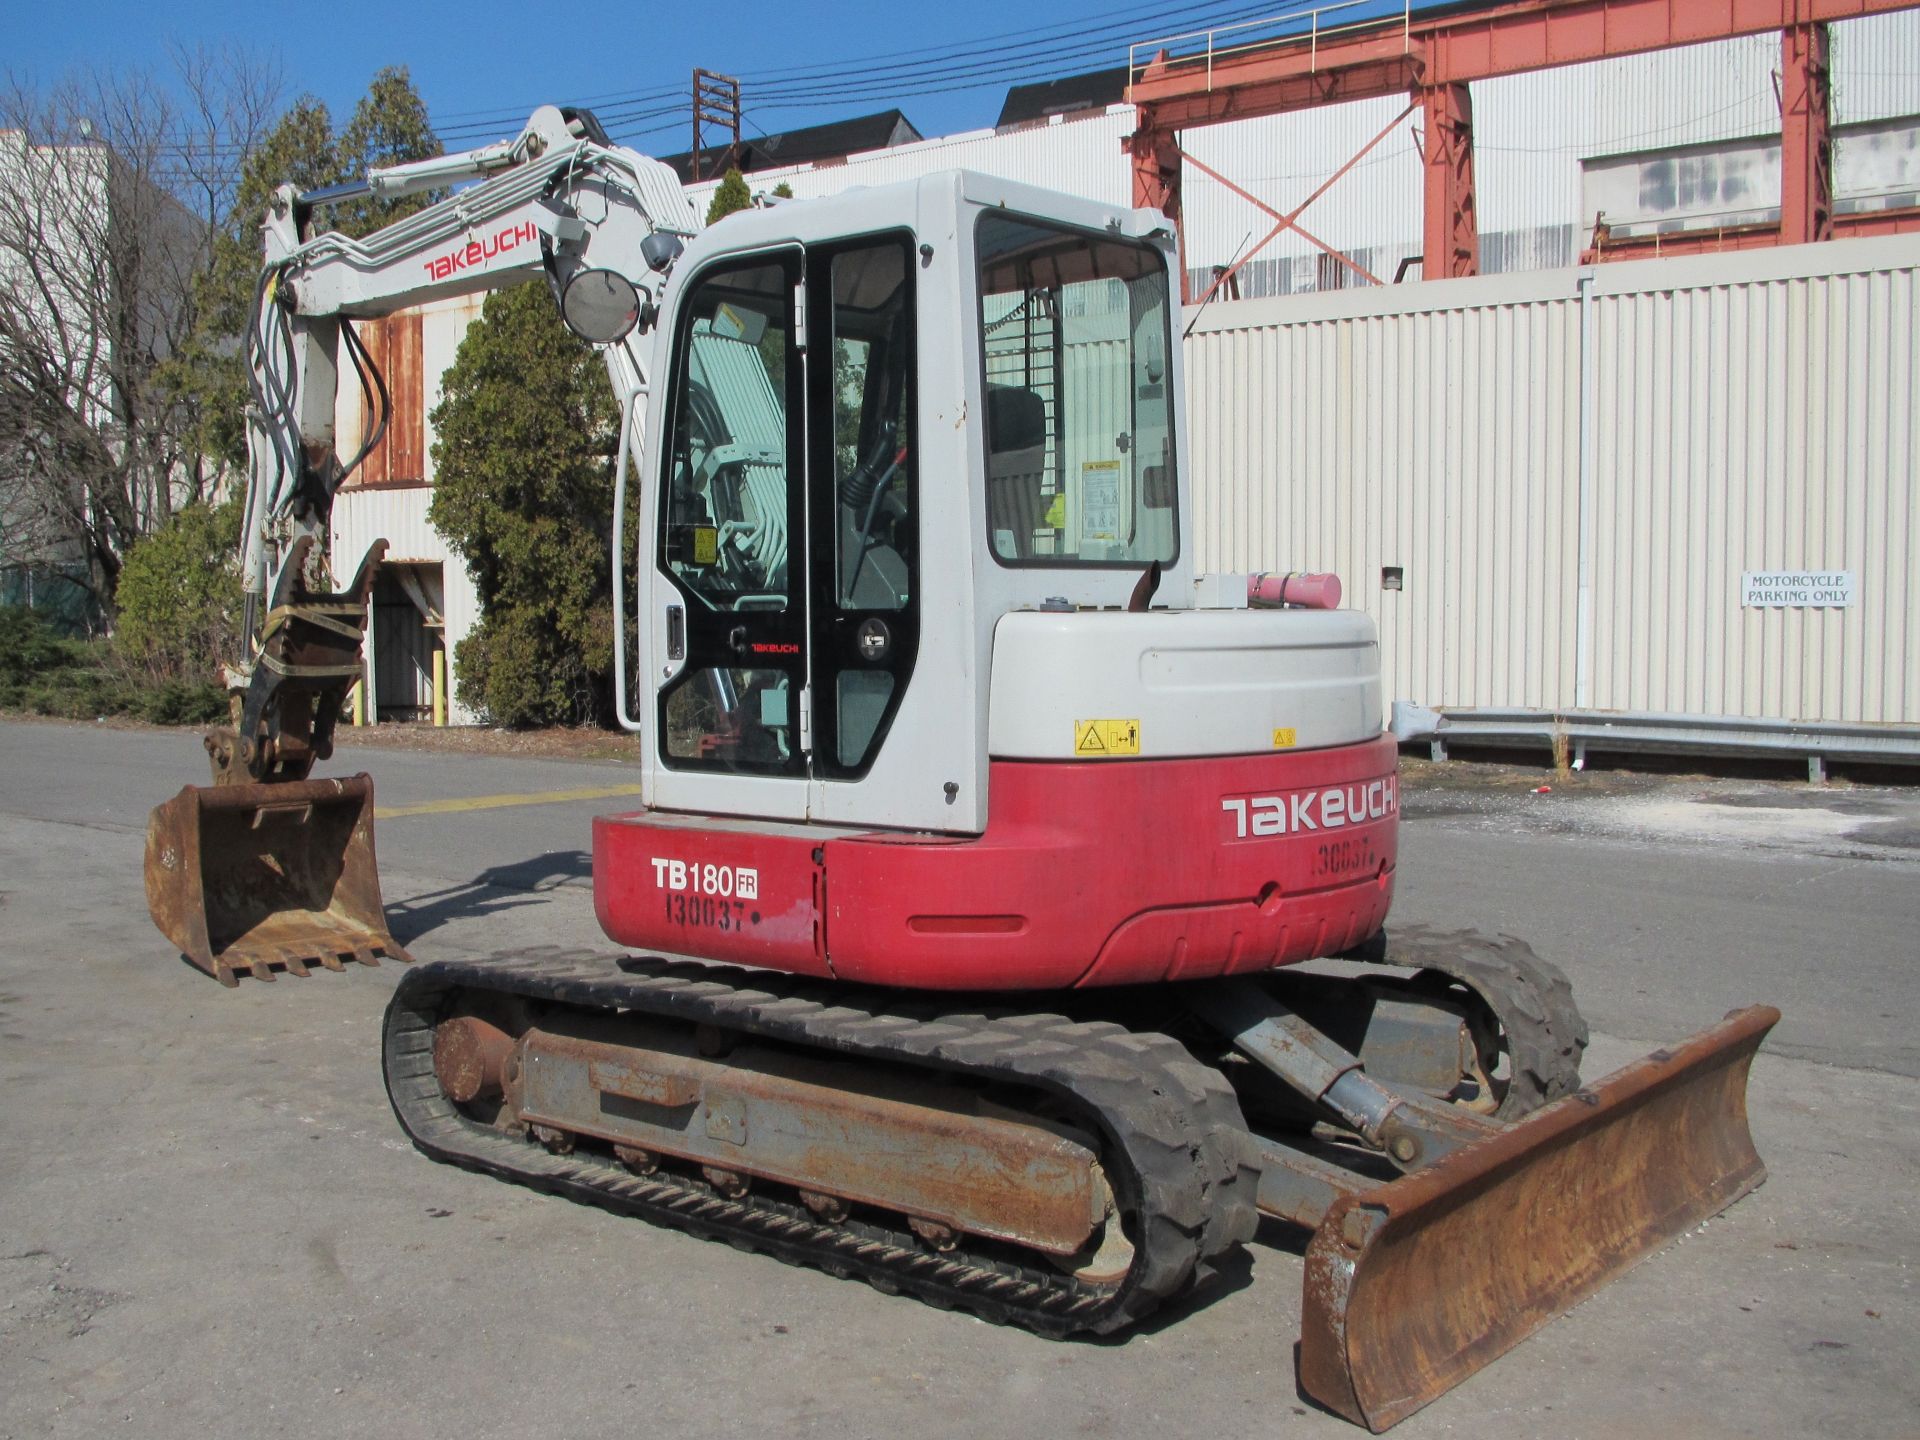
388,126
527,431
731,195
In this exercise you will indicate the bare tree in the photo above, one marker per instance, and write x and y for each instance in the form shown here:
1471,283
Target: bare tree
230,100
98,261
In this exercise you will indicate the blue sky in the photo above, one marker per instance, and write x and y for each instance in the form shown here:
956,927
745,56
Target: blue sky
480,62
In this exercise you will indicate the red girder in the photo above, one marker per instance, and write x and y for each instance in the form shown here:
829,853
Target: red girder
1437,57
1451,235
1457,49
1806,136
1744,237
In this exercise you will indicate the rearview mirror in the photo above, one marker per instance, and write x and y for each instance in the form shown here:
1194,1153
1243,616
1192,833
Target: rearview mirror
600,305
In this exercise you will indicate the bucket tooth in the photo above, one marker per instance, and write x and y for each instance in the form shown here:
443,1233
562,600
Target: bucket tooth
250,877
1414,1285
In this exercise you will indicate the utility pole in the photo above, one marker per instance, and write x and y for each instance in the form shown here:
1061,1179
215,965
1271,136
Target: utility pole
716,101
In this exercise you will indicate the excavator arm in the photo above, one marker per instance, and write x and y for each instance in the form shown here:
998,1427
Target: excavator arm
601,225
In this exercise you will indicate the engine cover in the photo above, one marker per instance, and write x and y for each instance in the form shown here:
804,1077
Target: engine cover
1114,872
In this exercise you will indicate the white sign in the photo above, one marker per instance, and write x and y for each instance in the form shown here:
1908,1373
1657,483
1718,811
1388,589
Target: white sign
1100,500
1797,587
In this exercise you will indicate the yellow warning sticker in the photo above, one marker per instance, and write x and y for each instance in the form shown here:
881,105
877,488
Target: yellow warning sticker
706,545
1101,739
1285,739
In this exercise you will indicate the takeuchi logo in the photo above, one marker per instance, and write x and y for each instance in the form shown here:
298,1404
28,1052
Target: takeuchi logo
478,252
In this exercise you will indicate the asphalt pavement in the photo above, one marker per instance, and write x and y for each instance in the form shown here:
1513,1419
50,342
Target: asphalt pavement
210,1223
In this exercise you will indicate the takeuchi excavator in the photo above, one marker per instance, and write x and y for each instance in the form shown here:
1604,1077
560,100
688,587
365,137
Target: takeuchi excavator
983,840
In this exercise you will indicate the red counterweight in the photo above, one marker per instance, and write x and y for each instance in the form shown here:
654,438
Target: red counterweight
1254,861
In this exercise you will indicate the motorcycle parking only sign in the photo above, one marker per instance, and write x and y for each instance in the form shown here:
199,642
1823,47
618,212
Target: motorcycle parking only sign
1812,588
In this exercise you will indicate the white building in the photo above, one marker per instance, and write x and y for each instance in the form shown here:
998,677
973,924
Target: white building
95,267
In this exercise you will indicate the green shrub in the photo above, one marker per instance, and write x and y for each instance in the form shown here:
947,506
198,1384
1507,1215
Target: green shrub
729,196
28,650
44,673
179,596
181,702
526,433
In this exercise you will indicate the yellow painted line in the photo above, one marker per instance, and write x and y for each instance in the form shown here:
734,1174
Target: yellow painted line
500,802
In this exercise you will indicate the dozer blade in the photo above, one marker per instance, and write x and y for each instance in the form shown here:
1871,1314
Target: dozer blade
1412,1287
250,877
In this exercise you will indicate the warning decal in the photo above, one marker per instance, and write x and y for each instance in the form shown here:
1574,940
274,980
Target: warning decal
1102,739
1285,739
1100,500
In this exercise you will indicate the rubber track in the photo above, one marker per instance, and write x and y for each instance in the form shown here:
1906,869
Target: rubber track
1530,998
1177,1154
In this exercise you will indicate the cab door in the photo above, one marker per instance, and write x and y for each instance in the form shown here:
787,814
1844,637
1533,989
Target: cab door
732,725
863,514
787,532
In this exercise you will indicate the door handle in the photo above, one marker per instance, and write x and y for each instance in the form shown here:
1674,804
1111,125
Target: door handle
676,633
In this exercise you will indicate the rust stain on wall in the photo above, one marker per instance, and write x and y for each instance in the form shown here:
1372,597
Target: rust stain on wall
394,345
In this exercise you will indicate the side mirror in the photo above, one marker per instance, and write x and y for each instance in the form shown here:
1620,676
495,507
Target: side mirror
600,306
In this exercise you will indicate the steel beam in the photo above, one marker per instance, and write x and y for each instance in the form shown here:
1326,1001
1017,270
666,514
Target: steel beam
1806,136
1863,223
1451,232
1154,153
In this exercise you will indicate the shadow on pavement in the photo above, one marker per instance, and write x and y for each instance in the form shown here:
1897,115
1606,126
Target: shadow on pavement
502,887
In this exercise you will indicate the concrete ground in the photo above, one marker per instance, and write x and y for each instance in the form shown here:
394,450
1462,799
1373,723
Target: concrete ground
210,1224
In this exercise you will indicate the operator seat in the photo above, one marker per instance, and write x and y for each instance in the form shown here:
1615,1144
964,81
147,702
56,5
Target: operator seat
1016,464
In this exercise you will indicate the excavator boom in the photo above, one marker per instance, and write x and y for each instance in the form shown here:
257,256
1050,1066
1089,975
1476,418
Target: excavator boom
267,869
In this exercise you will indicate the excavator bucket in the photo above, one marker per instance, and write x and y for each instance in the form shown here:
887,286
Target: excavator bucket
1412,1287
253,877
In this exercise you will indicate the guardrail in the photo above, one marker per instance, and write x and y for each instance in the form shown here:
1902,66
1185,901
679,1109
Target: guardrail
1288,26
1570,734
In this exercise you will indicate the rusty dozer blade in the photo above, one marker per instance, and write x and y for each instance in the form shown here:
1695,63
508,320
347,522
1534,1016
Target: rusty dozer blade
249,877
1413,1286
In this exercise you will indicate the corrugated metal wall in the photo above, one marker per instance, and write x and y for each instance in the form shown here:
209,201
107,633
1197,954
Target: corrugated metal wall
1751,412
399,514
1757,426
400,517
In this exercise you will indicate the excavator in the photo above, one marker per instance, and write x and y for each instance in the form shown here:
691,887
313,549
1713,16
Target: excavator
984,844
